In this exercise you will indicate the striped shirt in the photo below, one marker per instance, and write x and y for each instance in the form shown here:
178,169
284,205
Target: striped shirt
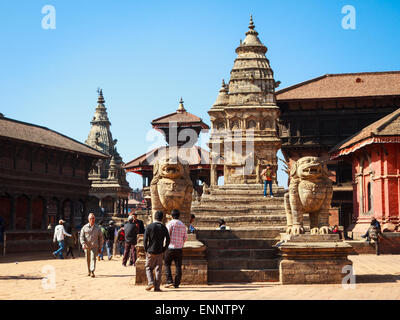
178,234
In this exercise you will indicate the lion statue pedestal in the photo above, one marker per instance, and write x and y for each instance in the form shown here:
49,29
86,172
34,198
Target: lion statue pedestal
172,188
318,257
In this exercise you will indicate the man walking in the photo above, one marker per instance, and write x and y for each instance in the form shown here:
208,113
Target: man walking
178,234
59,234
131,232
267,176
109,237
153,241
92,242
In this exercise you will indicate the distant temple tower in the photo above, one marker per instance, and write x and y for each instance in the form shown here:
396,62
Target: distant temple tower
109,188
244,116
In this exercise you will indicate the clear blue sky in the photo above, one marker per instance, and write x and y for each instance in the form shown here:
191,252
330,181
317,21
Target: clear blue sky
147,54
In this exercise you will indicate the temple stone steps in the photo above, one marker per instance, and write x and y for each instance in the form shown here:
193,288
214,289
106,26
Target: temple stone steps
231,258
243,275
242,253
242,210
240,263
245,220
231,199
271,233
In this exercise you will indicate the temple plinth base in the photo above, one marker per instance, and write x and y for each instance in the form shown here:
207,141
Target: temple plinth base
194,264
313,259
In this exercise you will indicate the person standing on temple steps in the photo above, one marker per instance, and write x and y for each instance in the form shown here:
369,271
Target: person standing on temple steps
267,175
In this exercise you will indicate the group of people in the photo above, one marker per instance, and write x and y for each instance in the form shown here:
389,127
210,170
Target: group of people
162,244
94,239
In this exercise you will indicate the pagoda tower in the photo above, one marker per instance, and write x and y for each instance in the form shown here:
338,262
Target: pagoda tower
109,188
244,116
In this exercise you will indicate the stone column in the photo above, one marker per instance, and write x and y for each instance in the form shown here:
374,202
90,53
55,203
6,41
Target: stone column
213,175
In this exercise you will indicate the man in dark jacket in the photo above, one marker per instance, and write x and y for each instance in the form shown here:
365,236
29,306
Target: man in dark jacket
109,237
153,241
139,223
131,232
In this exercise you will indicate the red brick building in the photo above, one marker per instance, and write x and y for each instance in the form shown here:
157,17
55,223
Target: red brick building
375,156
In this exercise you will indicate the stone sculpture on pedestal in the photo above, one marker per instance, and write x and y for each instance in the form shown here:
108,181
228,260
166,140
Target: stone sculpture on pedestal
171,188
310,191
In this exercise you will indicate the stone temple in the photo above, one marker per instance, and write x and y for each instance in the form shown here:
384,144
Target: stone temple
109,188
244,131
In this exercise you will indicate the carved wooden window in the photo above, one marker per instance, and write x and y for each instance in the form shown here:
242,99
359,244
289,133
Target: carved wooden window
251,124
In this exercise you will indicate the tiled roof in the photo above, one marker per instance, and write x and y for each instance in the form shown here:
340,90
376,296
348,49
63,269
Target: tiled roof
344,85
180,117
17,130
194,156
379,131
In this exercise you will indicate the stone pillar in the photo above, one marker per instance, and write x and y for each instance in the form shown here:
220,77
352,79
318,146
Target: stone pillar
213,175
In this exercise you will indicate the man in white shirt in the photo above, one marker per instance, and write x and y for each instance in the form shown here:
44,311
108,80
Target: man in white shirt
59,233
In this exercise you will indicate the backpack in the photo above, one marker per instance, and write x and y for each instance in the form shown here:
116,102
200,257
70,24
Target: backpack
121,236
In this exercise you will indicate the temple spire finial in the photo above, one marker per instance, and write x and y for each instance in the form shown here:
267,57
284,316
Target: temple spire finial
251,25
181,108
100,99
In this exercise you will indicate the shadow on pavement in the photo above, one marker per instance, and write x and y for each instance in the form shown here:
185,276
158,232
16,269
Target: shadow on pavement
377,278
20,277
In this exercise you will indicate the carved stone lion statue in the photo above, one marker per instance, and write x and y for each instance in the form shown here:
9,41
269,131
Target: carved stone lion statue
310,191
171,188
